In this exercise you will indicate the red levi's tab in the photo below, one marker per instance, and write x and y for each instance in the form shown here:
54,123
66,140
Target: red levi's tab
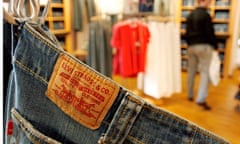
80,92
9,127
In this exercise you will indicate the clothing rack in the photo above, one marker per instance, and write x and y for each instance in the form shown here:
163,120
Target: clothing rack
160,18
138,15
97,18
112,17
149,17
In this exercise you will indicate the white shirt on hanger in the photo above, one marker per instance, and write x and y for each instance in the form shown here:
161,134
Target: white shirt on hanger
163,72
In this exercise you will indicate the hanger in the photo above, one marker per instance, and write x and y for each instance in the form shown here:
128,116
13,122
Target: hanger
17,11
44,12
9,18
11,13
14,8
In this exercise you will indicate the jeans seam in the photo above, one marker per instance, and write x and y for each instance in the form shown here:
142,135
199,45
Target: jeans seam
42,40
105,122
51,46
134,139
193,135
32,133
25,68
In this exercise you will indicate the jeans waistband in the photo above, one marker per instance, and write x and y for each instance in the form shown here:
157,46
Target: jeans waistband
124,119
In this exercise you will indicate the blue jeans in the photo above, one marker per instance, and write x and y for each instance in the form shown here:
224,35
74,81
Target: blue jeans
50,105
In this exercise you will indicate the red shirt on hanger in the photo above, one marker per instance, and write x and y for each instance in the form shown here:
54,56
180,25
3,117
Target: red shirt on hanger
130,40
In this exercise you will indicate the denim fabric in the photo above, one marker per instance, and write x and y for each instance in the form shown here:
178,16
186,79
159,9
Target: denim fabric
38,120
137,122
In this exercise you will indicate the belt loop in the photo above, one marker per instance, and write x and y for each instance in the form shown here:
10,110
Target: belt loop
123,120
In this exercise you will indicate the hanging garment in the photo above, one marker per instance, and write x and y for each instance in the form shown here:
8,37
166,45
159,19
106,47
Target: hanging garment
82,8
146,5
163,72
54,98
130,6
99,49
165,7
77,15
91,9
160,7
130,40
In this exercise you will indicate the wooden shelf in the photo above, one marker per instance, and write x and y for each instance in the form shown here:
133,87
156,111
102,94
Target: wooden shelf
221,50
222,7
184,46
183,19
188,8
57,5
183,31
81,54
220,20
58,21
184,57
222,34
59,32
58,18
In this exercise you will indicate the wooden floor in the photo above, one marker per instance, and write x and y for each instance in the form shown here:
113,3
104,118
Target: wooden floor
223,119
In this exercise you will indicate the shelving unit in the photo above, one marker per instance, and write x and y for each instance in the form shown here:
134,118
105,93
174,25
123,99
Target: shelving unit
59,22
221,13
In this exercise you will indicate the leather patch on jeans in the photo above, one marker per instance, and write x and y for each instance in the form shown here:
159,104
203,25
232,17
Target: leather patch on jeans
80,92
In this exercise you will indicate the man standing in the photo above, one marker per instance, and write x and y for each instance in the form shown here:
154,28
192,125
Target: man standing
201,42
